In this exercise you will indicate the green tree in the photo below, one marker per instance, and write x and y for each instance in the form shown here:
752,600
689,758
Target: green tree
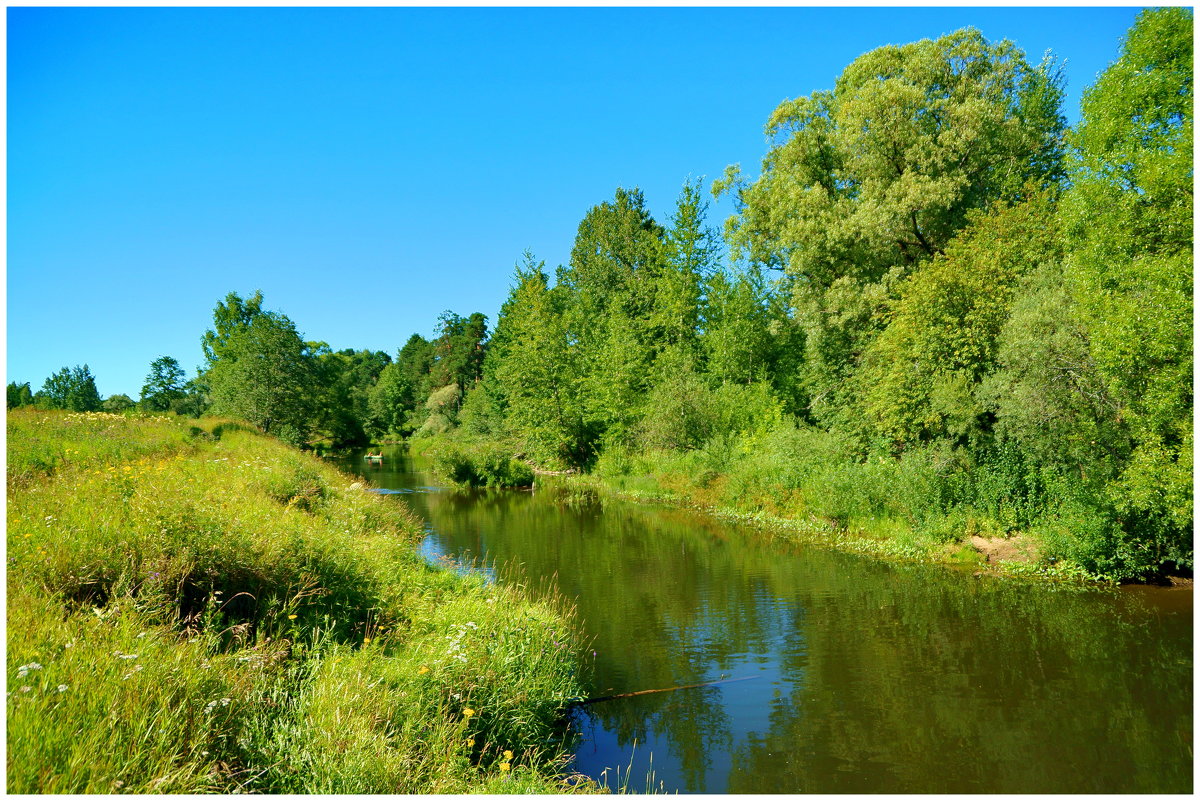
116,404
867,181
164,385
347,379
538,376
265,374
73,389
229,317
389,402
692,252
610,292
19,395
919,379
1129,222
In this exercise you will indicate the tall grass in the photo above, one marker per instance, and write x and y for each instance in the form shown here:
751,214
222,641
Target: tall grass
924,506
202,609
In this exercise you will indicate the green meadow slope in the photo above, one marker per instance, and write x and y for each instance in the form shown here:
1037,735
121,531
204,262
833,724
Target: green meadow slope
207,610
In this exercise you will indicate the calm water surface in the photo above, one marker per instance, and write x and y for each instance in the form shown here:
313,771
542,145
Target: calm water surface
853,675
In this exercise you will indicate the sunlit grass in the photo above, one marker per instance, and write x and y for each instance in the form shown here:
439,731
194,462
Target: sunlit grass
198,608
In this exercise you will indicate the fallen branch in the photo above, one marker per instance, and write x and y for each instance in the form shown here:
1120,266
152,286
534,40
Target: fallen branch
663,690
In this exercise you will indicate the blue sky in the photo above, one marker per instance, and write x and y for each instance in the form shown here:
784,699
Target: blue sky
369,168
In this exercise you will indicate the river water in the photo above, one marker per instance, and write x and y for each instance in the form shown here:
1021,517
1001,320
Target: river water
848,674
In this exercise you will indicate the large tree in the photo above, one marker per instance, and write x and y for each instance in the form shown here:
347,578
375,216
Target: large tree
867,181
1129,223
263,371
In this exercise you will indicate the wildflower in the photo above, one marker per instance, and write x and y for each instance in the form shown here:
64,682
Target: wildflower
62,688
468,712
127,656
504,766
29,667
26,689
422,670
470,740
366,640
507,755
291,617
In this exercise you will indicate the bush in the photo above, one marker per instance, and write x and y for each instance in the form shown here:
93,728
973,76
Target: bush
481,466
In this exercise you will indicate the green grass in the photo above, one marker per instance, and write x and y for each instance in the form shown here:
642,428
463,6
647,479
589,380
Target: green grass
202,609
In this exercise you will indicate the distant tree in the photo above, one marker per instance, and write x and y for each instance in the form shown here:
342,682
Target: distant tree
347,378
116,404
19,395
389,402
195,400
73,389
265,374
164,385
230,316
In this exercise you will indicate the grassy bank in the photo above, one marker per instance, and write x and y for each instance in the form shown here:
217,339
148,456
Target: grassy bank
800,482
202,609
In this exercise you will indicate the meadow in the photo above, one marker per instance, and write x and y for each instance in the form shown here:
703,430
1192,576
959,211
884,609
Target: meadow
194,607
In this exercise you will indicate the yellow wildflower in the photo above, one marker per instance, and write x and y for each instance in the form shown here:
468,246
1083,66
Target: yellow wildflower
366,640
422,670
507,755
468,712
504,766
291,617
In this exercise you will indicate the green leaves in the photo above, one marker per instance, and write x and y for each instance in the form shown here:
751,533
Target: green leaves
263,373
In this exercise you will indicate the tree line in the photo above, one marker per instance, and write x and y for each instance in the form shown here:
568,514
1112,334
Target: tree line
931,270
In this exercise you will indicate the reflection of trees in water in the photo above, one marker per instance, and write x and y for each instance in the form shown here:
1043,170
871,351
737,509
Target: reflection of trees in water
889,678
980,686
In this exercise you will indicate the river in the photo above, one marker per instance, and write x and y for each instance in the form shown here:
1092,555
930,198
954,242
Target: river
850,675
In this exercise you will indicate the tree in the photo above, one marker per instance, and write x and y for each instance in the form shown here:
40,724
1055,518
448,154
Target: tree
73,389
867,181
229,317
1129,223
389,402
692,252
164,385
265,374
19,395
609,293
919,379
117,404
533,363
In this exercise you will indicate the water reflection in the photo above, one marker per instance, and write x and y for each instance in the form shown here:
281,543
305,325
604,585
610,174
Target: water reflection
858,676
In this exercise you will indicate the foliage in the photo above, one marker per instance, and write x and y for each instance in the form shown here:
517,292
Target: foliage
264,373
1129,234
19,395
115,404
164,385
73,389
865,182
481,466
919,379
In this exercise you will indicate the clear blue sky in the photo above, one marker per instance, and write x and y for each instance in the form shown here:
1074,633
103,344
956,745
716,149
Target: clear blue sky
370,168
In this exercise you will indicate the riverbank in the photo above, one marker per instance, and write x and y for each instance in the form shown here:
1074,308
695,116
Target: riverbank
877,509
193,607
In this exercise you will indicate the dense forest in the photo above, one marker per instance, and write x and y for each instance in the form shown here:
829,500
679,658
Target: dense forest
936,305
